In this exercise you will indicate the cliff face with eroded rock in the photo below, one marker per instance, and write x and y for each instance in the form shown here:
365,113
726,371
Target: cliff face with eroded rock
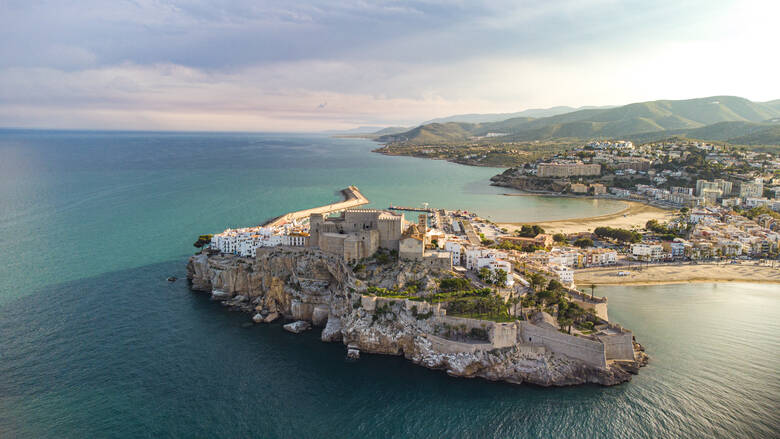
309,285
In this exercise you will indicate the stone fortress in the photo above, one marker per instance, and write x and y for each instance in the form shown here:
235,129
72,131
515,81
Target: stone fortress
356,233
312,280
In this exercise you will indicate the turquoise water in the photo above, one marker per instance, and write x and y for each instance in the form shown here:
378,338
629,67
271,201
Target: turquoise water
95,343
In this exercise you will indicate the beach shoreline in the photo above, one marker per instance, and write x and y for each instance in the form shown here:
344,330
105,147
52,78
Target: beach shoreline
678,274
635,214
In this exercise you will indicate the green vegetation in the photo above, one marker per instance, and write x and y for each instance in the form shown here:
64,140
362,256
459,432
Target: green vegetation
583,243
727,118
384,257
559,237
663,230
553,300
527,231
621,235
509,245
203,240
490,307
498,278
760,210
450,284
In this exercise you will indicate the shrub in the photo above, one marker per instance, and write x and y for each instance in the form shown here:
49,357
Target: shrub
583,243
454,284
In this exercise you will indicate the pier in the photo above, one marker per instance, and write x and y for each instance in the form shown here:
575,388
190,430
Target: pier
352,198
411,209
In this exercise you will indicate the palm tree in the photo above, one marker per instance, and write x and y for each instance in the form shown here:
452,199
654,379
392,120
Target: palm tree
592,288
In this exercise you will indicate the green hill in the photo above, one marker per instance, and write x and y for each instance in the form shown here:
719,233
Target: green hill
739,133
391,130
773,104
628,120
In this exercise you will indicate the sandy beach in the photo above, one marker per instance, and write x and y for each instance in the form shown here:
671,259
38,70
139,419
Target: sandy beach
635,214
666,274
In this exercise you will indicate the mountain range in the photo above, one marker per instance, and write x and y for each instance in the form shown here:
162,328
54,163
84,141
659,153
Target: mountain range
723,118
498,117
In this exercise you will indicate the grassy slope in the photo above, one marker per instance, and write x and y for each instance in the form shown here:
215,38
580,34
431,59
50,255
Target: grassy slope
644,117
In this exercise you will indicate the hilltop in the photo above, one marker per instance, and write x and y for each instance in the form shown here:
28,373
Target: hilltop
498,117
699,118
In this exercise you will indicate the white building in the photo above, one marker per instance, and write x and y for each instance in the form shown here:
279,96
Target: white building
565,274
647,252
497,264
473,254
456,249
246,241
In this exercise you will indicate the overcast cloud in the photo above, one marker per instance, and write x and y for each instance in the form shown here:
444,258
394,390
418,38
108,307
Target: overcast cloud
263,65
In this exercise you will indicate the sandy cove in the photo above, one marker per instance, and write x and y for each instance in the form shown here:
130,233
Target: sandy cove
634,215
668,273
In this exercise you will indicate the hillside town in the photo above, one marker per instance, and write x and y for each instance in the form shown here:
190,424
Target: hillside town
671,174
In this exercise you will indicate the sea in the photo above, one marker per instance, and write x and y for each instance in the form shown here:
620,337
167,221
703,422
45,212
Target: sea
95,342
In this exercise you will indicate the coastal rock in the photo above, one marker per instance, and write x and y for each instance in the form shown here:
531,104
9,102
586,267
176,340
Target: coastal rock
308,285
219,295
319,316
332,330
257,318
297,327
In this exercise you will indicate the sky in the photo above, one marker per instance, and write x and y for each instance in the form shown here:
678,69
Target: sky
256,65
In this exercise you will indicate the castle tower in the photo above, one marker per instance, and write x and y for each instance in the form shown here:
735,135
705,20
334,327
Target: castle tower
422,223
315,223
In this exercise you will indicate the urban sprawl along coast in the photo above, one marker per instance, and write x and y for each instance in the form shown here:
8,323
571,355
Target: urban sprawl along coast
512,302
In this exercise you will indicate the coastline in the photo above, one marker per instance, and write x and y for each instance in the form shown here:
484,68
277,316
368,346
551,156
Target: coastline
679,274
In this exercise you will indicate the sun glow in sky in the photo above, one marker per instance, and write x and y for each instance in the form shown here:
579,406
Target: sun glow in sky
317,64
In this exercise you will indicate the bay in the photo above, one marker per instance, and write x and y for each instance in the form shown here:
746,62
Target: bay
95,343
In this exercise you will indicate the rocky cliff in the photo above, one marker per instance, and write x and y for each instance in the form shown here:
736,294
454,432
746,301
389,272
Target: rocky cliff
310,285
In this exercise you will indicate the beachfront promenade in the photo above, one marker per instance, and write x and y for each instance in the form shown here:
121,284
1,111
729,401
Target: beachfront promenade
352,198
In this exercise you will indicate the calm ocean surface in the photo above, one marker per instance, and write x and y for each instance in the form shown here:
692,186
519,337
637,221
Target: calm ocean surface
95,343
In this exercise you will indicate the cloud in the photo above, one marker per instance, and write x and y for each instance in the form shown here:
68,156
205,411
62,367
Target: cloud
260,65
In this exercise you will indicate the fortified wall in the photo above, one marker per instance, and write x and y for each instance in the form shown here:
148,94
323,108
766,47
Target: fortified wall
612,342
590,351
597,304
619,342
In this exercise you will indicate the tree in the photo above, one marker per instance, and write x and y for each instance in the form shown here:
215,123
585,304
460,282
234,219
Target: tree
536,280
559,237
529,231
203,240
565,323
592,288
499,278
485,275
555,285
583,243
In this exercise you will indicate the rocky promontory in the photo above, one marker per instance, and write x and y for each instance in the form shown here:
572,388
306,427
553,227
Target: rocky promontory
308,285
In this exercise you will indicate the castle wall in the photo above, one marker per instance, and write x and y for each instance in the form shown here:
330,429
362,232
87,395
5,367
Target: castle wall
599,308
411,249
619,342
590,351
500,335
618,347
332,243
390,232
